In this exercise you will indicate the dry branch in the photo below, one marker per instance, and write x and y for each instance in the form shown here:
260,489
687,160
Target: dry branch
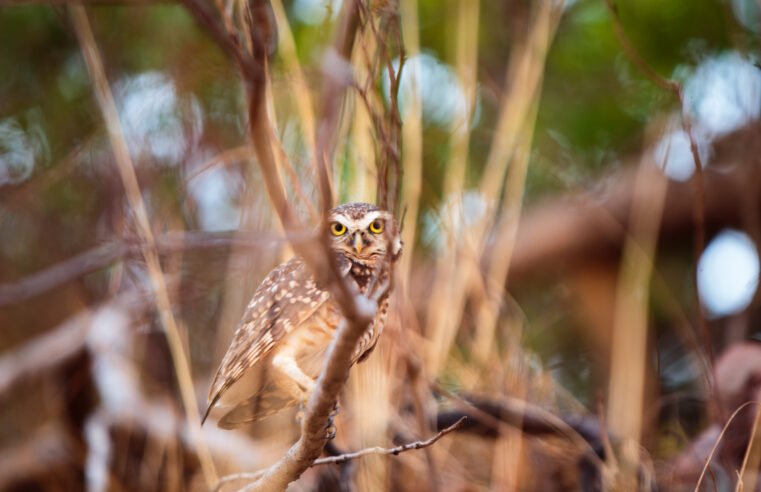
62,272
392,451
43,355
342,458
108,253
571,230
358,311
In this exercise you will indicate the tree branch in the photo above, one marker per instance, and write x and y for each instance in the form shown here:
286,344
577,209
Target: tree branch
105,254
357,310
342,458
569,230
395,450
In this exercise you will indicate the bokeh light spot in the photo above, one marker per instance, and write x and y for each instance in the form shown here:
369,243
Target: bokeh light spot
724,93
674,154
159,123
314,12
437,87
728,273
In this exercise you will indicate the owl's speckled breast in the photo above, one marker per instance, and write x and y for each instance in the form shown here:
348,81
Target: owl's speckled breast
362,273
291,320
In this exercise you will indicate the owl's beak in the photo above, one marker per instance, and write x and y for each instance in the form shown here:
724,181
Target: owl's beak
358,242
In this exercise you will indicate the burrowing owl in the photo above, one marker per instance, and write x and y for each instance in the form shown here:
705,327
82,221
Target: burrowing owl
278,350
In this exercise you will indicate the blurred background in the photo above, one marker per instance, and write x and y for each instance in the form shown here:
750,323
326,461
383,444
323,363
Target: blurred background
562,246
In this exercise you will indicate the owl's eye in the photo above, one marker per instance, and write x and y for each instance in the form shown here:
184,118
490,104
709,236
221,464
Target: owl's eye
376,227
337,229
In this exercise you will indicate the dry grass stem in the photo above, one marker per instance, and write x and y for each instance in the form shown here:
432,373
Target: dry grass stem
287,50
699,212
134,197
459,263
715,446
412,132
749,471
626,386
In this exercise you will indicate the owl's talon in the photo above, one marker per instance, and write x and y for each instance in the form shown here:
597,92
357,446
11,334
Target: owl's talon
330,430
301,413
330,433
336,410
289,309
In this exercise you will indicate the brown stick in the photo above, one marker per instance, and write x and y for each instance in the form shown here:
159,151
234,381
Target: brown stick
337,77
358,311
342,458
392,451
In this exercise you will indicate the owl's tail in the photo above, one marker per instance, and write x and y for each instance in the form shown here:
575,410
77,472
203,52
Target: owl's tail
266,402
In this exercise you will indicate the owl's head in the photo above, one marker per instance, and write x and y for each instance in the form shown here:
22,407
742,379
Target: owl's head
364,232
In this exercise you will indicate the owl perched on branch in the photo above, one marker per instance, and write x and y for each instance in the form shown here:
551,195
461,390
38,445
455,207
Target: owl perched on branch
280,345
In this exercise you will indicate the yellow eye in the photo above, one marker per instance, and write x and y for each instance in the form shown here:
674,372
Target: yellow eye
337,229
376,227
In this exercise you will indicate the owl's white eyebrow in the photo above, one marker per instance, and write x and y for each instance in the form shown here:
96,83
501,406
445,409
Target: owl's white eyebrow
341,218
368,219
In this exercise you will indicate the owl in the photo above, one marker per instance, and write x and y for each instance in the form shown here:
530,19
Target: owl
279,347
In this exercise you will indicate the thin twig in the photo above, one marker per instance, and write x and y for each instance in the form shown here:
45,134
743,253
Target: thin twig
392,451
718,441
342,458
224,158
337,77
747,474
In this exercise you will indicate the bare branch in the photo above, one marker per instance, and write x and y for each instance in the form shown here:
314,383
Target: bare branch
570,230
60,273
342,458
338,77
392,451
108,253
332,379
358,311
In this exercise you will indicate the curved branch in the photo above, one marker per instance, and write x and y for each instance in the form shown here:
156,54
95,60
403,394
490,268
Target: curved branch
343,458
357,310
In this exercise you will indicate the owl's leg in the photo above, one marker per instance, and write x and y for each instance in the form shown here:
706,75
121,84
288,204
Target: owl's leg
302,385
298,384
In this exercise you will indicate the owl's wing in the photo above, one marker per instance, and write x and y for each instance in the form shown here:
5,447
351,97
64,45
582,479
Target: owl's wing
284,300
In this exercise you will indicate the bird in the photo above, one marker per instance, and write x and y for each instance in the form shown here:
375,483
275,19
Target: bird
280,343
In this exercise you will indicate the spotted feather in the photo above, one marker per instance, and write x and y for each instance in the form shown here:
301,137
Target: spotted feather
284,300
278,349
